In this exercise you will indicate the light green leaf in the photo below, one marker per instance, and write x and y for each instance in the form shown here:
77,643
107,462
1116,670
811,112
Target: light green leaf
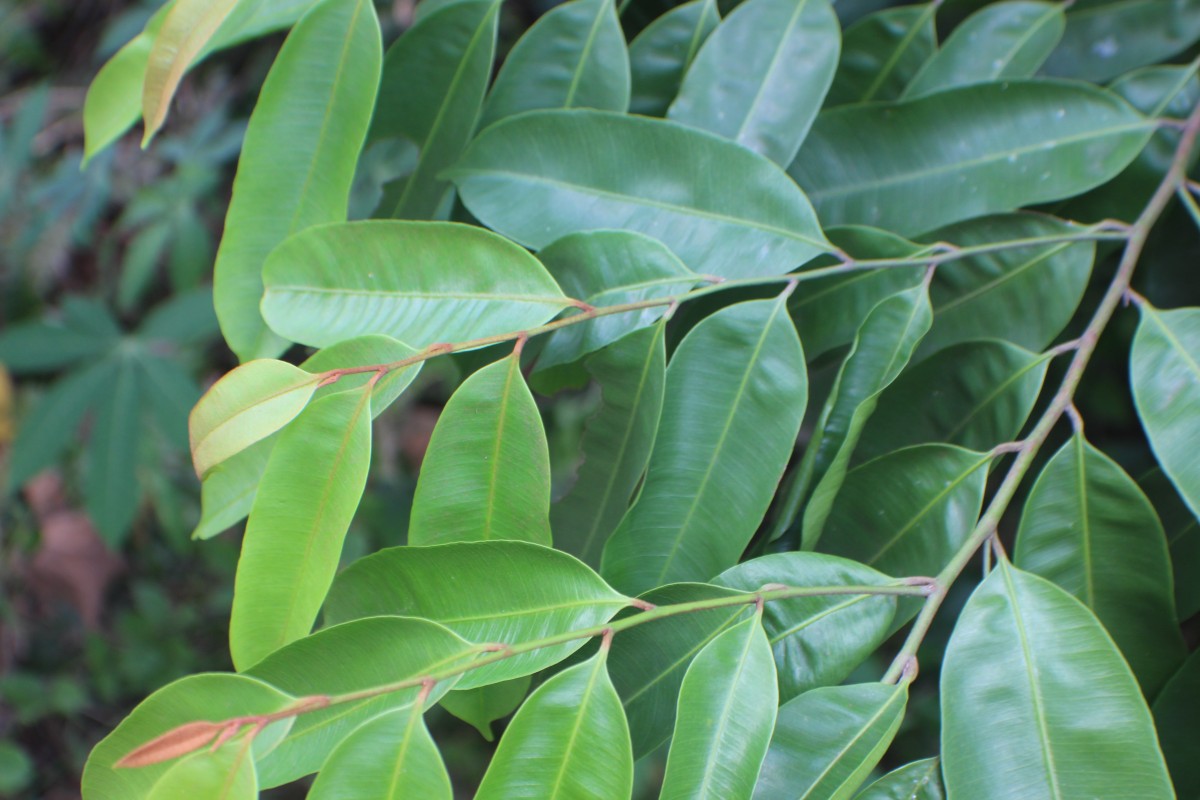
569,740
983,148
727,707
305,501
660,55
486,474
226,774
1175,718
574,56
1037,702
735,395
297,161
483,706
920,780
1089,529
1165,374
882,52
419,282
111,489
523,178
827,741
228,489
364,351
247,405
1000,41
1183,538
519,592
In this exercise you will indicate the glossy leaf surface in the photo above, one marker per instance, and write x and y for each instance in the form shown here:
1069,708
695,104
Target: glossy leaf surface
920,780
364,351
481,707
1175,718
1183,539
1103,40
661,54
882,52
228,489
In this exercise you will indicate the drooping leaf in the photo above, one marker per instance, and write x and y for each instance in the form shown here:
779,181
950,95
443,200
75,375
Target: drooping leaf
660,55
735,394
480,707
920,780
228,489
1183,539
1175,719
1037,702
761,76
523,178
305,501
419,282
297,161
984,148
882,52
365,351
226,774
111,489
569,740
1089,529
827,741
1106,39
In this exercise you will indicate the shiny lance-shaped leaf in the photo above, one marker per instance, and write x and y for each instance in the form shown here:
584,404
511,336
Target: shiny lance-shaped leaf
727,707
1183,539
735,395
364,351
305,501
1175,718
1088,528
418,282
999,42
920,780
660,55
882,52
228,489
1038,703
616,442
111,489
760,78
519,592
569,740
523,178
297,161
224,774
982,149
1165,372
486,474
827,741
574,56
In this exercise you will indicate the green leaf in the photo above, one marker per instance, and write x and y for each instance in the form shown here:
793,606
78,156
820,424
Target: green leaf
486,474
1165,374
984,148
616,442
228,489
142,258
760,78
735,395
827,741
1183,538
483,706
574,56
523,178
1175,718
1001,41
187,318
365,351
111,489
388,758
1037,702
247,405
808,634
352,657
882,52
226,774
920,780
209,696
419,282
519,592
297,161
660,55
171,394
975,394
1089,529
727,707
305,501
434,79
84,331
569,740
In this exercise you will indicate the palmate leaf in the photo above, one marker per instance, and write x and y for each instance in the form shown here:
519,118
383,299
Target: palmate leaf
660,55
111,489
882,52
84,330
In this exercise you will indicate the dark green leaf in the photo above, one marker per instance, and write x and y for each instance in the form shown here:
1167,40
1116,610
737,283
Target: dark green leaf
187,318
882,52
661,54
171,394
483,706
111,488
1183,538
84,330
1175,718
227,491
142,258
920,780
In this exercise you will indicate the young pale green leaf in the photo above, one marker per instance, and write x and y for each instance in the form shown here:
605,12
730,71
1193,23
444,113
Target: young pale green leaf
305,501
523,177
1165,374
574,56
228,489
486,474
111,489
727,708
1089,529
616,442
1175,719
984,148
1183,539
518,592
480,707
364,351
882,52
735,395
569,740
975,394
209,696
808,634
391,757
920,780
827,741
1037,702
247,405
1001,41
352,657
1103,40
298,160
224,774
419,282
431,93
660,55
